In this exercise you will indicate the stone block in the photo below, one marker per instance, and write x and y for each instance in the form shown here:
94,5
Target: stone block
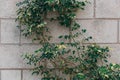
11,55
102,31
10,75
8,8
9,32
107,8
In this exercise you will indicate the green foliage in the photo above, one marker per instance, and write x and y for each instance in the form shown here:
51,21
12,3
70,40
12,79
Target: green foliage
32,15
80,63
74,59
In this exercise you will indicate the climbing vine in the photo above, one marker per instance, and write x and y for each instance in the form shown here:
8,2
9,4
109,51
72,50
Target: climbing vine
73,60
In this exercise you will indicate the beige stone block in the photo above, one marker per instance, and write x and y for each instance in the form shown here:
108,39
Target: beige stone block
107,8
9,32
8,8
115,53
10,75
27,75
11,55
102,31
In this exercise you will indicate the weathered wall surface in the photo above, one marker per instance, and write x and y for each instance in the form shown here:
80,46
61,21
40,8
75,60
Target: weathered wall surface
101,18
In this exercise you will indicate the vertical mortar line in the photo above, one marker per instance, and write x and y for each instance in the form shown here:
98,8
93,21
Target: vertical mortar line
118,27
0,30
0,75
70,32
20,43
21,74
94,7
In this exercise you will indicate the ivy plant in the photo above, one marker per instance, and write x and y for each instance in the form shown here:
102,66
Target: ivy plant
63,61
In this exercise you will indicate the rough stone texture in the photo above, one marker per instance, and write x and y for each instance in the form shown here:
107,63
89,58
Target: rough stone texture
27,76
9,32
8,8
10,75
103,31
107,8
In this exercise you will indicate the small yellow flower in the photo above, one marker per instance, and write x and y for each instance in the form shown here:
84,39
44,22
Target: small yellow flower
99,51
112,68
107,76
41,25
93,45
113,64
30,30
110,48
29,14
61,46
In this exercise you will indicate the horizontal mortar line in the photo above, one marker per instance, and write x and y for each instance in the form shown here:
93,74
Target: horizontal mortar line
97,18
93,18
38,43
9,44
50,18
101,43
56,43
16,68
30,44
108,18
20,44
70,42
75,18
8,18
83,43
95,43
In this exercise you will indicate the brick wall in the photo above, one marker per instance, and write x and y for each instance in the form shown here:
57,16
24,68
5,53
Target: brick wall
101,18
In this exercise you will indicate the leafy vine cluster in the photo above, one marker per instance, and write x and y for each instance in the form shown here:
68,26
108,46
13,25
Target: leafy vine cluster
63,61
